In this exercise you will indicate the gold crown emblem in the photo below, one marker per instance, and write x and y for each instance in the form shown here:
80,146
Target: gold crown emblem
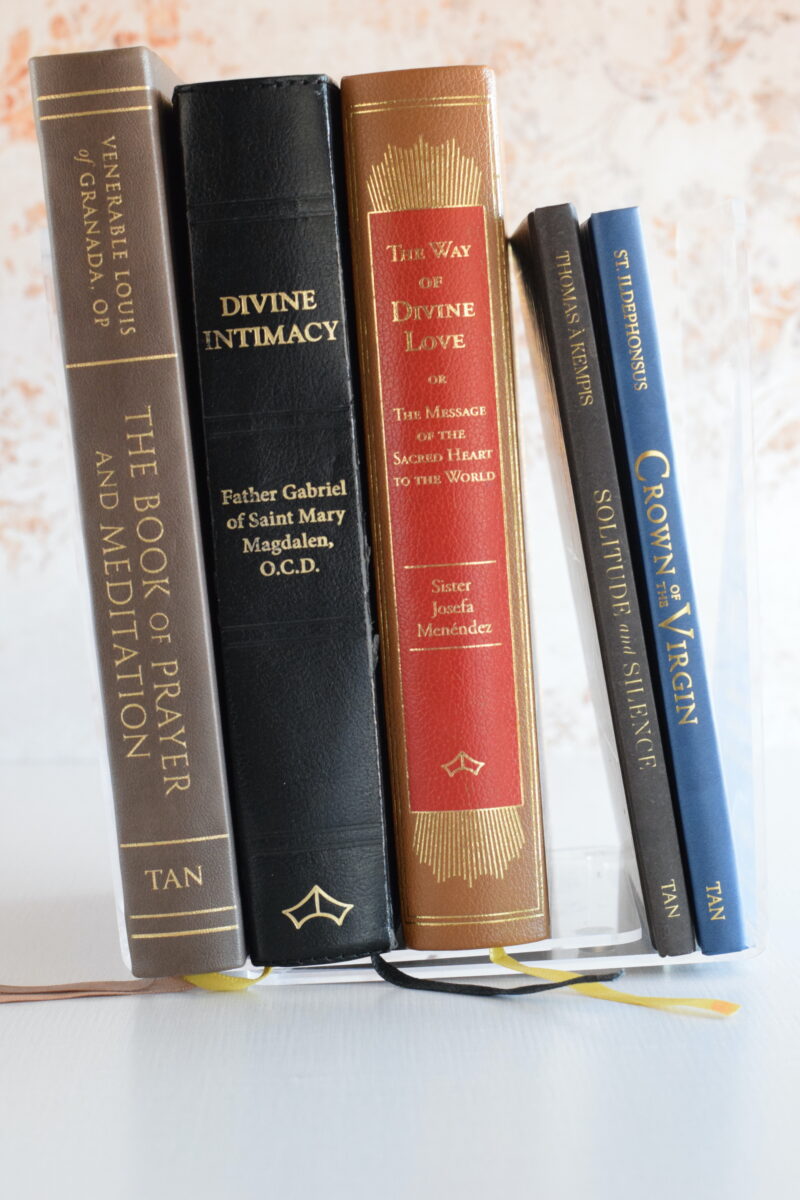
462,762
317,903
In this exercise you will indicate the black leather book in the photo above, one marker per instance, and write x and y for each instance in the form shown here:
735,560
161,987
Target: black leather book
547,245
290,567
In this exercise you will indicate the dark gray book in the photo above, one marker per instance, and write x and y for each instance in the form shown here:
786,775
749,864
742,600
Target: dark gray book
547,245
102,119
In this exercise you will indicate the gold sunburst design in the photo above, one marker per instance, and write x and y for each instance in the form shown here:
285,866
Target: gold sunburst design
424,176
468,843
317,903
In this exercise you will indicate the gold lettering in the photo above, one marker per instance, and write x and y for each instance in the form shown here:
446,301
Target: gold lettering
660,457
669,622
162,879
669,896
715,901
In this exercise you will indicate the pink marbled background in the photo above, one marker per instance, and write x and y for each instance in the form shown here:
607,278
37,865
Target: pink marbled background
660,103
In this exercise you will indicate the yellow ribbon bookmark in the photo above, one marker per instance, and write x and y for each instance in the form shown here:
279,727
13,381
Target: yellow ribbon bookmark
601,991
215,981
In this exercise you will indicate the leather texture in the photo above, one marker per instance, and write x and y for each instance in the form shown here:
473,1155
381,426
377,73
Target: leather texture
262,170
434,338
105,185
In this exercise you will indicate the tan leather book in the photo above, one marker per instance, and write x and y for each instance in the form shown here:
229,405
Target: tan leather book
434,338
101,121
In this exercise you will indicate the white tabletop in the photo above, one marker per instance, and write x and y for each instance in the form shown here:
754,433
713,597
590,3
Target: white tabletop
362,1089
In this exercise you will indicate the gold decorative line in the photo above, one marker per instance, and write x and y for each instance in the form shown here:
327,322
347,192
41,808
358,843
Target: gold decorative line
429,924
487,562
518,913
106,362
211,837
512,510
138,87
93,112
190,912
473,646
365,112
482,916
485,809
513,520
446,207
416,101
185,932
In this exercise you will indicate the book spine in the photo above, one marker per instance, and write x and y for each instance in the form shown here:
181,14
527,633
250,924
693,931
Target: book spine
548,249
100,120
626,315
288,528
434,336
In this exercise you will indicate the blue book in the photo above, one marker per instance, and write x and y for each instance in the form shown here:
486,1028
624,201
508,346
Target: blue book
625,316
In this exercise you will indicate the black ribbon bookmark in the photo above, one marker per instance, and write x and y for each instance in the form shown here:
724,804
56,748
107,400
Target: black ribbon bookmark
392,974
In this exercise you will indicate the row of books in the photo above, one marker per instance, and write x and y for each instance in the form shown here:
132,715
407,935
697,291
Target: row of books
297,297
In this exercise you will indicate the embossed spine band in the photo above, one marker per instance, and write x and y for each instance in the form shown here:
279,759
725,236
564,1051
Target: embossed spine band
434,339
101,119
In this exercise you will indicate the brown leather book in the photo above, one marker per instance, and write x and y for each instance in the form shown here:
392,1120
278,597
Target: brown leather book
434,337
101,120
